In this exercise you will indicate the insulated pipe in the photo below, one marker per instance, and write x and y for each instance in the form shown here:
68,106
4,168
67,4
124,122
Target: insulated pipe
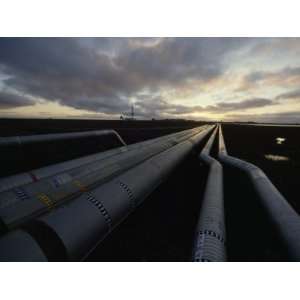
210,236
27,248
54,137
84,222
11,182
26,202
284,217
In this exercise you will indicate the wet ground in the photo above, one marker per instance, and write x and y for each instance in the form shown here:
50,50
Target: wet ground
279,159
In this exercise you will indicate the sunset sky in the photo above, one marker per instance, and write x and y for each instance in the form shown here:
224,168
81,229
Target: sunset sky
238,79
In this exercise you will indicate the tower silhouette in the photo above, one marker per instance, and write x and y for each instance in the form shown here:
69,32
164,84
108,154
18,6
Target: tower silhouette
132,112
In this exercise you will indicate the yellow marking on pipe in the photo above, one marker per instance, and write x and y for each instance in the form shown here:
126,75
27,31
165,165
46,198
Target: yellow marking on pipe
45,200
81,187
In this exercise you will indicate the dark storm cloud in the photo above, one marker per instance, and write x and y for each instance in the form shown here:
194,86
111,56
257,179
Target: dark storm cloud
245,104
156,107
174,61
100,104
10,100
58,69
224,107
102,74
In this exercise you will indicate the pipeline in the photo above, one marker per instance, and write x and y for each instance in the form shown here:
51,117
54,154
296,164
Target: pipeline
13,181
285,219
54,137
81,224
23,203
210,234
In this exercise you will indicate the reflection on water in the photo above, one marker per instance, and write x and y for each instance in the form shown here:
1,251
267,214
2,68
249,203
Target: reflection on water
276,157
280,140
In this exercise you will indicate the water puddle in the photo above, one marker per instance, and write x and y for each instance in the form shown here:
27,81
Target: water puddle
276,157
280,140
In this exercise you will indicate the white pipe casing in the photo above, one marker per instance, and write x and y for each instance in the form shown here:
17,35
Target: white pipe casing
84,222
28,201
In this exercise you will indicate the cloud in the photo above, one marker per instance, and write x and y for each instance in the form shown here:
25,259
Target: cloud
11,100
156,107
58,70
284,117
103,74
275,47
242,105
295,94
283,77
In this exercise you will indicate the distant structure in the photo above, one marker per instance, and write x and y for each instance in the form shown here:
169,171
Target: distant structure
132,112
131,115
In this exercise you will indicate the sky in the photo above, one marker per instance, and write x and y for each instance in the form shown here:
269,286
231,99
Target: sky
229,79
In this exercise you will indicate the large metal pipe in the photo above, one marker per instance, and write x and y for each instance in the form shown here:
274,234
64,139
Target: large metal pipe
25,202
284,217
10,182
54,137
83,222
21,246
210,235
